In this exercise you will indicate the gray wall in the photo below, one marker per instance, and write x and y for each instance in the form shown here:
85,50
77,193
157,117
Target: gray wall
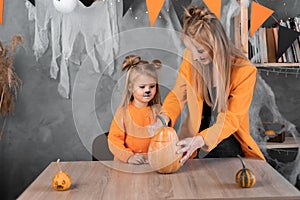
41,130
42,127
286,88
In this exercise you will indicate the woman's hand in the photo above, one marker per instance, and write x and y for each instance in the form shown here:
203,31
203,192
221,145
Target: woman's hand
137,159
189,145
152,128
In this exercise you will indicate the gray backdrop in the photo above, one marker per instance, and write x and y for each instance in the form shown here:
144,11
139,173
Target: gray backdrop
42,127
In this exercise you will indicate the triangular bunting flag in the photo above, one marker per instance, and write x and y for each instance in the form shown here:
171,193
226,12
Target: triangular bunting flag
154,7
1,10
286,37
32,2
126,5
86,3
259,14
214,6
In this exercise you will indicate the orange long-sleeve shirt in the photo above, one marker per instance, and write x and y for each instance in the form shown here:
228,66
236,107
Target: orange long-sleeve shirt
234,121
128,133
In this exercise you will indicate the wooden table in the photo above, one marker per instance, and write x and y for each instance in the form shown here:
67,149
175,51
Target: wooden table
197,179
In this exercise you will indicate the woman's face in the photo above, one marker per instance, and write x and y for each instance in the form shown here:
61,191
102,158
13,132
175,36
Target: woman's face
199,52
144,90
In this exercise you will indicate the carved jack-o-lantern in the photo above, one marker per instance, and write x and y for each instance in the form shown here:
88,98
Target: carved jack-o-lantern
65,6
61,180
162,152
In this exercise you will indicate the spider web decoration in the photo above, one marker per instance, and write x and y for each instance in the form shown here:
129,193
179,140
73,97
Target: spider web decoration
264,97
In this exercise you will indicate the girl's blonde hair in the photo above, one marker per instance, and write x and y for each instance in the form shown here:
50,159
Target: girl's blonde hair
204,28
135,66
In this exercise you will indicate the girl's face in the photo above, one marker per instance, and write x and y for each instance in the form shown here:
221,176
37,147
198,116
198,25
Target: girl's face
143,90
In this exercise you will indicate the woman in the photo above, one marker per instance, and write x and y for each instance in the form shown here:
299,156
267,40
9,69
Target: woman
216,81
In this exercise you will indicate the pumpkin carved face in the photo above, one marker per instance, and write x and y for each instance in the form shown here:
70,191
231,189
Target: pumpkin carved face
61,181
245,178
162,152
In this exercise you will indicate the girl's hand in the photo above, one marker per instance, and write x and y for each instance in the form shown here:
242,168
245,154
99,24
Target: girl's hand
137,159
189,145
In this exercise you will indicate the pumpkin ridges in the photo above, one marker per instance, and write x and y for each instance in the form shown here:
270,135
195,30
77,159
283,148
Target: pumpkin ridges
161,161
253,178
162,137
245,177
170,168
162,150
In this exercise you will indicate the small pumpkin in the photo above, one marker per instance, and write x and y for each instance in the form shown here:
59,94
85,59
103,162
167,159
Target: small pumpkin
270,133
162,152
61,180
245,178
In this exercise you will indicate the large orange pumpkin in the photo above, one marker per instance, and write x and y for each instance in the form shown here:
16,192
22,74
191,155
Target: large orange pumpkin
162,153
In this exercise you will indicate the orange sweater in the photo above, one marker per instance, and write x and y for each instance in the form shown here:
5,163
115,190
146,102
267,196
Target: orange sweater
128,133
234,121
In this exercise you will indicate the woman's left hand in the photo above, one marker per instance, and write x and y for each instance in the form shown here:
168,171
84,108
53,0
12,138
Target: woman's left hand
189,145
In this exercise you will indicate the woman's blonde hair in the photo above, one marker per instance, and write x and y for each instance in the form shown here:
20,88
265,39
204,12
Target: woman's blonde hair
134,67
202,27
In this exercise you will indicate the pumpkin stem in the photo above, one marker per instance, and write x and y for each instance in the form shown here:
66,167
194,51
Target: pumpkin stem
57,164
241,160
162,120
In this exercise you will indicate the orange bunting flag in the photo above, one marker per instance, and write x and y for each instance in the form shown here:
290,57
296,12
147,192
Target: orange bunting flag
259,14
1,11
154,7
214,6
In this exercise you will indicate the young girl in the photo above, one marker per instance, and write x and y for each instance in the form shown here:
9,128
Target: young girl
128,137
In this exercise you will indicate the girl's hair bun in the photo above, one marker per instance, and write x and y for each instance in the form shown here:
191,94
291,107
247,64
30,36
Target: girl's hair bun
157,63
134,60
130,61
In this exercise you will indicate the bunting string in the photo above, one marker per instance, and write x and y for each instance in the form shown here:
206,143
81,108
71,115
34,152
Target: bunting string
141,15
137,17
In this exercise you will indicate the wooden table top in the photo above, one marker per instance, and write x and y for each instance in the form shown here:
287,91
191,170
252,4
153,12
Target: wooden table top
197,179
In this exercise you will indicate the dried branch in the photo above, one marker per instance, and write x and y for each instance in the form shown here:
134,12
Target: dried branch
10,82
